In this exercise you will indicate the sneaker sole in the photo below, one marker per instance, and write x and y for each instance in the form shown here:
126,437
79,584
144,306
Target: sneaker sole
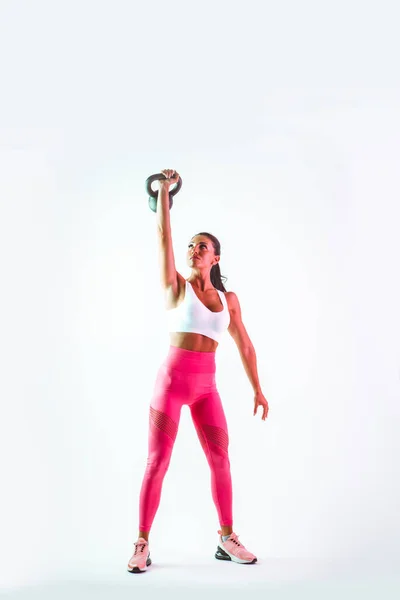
138,569
223,555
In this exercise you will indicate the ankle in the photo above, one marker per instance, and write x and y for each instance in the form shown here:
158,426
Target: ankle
144,534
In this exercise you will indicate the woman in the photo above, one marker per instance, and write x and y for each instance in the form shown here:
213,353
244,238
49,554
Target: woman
200,310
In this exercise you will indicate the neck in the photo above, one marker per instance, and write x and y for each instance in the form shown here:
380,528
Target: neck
201,283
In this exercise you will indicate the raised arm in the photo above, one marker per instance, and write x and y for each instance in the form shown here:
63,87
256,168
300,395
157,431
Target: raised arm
169,277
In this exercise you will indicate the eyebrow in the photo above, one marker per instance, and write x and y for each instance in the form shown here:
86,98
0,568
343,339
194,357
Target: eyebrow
198,243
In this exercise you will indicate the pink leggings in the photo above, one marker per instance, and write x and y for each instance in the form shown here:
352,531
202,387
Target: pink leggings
186,377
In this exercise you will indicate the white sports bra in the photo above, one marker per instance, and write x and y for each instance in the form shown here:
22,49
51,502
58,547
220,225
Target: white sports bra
193,316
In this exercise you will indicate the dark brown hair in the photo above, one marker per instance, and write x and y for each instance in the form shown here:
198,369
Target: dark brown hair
215,274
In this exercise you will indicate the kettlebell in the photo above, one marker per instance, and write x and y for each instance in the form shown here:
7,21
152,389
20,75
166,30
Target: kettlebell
153,195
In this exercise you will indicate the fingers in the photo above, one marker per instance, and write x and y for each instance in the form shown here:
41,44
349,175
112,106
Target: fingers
265,412
170,174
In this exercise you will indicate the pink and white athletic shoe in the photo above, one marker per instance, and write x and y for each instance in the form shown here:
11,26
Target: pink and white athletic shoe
234,550
140,559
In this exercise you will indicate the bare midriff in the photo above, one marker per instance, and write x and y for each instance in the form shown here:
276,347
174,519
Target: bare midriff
193,341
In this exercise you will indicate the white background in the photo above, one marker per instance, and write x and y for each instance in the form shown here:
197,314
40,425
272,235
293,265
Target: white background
283,121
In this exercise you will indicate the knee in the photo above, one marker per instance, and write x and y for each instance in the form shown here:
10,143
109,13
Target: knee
158,462
220,460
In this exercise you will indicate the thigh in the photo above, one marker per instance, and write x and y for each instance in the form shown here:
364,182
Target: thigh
209,419
166,403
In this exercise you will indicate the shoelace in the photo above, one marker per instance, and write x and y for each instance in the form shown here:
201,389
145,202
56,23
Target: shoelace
137,544
234,538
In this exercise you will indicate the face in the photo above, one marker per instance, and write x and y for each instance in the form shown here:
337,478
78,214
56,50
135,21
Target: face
201,247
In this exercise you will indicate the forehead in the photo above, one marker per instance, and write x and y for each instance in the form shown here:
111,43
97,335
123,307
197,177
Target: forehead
200,238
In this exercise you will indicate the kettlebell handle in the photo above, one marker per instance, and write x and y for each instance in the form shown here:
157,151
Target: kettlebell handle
153,194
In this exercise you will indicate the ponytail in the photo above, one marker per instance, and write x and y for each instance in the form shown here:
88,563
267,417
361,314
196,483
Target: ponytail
216,278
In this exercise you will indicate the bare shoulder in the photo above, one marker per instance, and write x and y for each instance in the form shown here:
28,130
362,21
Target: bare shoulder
230,298
232,301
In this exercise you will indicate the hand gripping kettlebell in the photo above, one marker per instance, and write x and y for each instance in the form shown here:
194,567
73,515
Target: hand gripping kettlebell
153,195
